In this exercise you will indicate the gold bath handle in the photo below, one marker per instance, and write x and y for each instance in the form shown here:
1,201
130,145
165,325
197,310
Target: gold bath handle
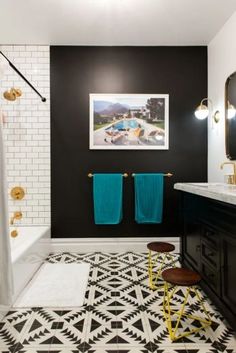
125,175
14,233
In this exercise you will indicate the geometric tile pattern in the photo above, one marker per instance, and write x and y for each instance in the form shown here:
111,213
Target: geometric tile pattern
121,314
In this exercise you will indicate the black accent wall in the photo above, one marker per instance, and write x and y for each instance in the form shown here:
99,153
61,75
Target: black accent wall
180,72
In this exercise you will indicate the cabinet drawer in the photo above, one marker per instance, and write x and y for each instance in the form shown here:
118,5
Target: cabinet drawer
211,236
210,255
211,276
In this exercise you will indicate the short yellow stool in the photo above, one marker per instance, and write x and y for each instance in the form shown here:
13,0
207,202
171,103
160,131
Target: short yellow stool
157,261
175,278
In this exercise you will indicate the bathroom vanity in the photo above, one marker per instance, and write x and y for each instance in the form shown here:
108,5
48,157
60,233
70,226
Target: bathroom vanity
208,242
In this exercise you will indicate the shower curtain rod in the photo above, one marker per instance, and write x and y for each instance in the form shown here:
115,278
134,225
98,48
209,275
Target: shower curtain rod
43,99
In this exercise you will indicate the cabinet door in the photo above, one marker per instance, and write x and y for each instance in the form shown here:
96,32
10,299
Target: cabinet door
191,243
229,272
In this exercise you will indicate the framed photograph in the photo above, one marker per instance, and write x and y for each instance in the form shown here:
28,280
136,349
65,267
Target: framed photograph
129,121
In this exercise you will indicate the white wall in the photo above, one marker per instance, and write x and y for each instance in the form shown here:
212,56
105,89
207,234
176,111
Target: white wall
27,132
221,63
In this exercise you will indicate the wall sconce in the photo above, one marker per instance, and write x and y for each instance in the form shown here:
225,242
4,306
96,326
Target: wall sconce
202,111
231,111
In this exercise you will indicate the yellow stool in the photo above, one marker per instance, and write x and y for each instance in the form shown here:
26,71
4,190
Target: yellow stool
157,262
174,278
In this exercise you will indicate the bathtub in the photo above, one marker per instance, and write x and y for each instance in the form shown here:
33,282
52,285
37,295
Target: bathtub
28,251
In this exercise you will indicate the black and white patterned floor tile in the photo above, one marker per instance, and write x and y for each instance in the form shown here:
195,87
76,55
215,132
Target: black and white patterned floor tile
121,314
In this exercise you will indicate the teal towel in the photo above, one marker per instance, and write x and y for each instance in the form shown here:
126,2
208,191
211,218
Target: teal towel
148,197
107,198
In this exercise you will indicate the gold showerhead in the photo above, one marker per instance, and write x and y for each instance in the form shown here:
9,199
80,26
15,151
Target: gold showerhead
12,94
17,92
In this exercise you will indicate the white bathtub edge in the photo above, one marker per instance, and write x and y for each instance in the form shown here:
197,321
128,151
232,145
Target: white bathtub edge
28,260
21,250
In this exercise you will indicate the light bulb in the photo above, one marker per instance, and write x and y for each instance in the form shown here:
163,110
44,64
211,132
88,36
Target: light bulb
201,112
231,111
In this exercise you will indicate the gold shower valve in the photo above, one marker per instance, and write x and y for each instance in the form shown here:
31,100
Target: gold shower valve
17,193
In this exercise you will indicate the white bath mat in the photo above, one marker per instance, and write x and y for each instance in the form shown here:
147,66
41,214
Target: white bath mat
56,285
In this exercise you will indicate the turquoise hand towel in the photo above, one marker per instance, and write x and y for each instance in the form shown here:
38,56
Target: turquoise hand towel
148,197
107,198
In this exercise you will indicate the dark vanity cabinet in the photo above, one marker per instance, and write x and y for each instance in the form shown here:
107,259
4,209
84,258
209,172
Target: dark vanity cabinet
229,272
192,233
208,245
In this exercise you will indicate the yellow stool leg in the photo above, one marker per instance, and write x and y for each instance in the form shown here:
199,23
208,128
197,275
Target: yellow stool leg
153,277
168,313
150,274
158,274
166,308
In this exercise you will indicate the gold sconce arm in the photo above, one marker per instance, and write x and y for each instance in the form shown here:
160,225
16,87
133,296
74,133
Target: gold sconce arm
203,111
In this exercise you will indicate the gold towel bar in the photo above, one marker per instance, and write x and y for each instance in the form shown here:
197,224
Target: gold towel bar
167,175
125,175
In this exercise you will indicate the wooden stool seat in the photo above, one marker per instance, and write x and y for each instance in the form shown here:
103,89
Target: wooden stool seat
161,247
181,276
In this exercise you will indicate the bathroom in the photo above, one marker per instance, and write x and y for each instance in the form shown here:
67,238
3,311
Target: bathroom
54,150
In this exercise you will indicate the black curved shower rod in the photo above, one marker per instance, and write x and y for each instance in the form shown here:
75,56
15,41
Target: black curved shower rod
43,99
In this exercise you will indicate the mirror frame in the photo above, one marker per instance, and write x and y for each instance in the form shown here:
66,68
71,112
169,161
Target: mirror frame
228,155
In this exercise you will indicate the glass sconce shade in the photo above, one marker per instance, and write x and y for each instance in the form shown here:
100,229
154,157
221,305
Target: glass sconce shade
231,111
201,112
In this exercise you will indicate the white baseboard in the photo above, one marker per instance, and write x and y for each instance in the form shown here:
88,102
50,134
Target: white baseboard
3,311
84,245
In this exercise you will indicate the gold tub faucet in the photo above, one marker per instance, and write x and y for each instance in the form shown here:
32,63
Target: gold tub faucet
16,215
231,178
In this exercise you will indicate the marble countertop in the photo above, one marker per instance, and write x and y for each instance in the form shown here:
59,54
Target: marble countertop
216,191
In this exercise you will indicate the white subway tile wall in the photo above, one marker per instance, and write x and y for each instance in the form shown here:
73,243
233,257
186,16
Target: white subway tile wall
27,132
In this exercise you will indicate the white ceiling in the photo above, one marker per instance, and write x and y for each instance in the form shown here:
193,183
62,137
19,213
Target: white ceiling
112,22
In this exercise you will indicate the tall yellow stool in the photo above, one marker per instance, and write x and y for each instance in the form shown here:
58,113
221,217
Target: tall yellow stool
175,278
158,260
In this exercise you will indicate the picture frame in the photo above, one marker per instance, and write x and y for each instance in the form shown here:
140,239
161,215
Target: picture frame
129,121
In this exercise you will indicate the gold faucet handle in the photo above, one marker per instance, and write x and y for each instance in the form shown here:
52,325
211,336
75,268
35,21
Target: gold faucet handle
14,233
16,215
